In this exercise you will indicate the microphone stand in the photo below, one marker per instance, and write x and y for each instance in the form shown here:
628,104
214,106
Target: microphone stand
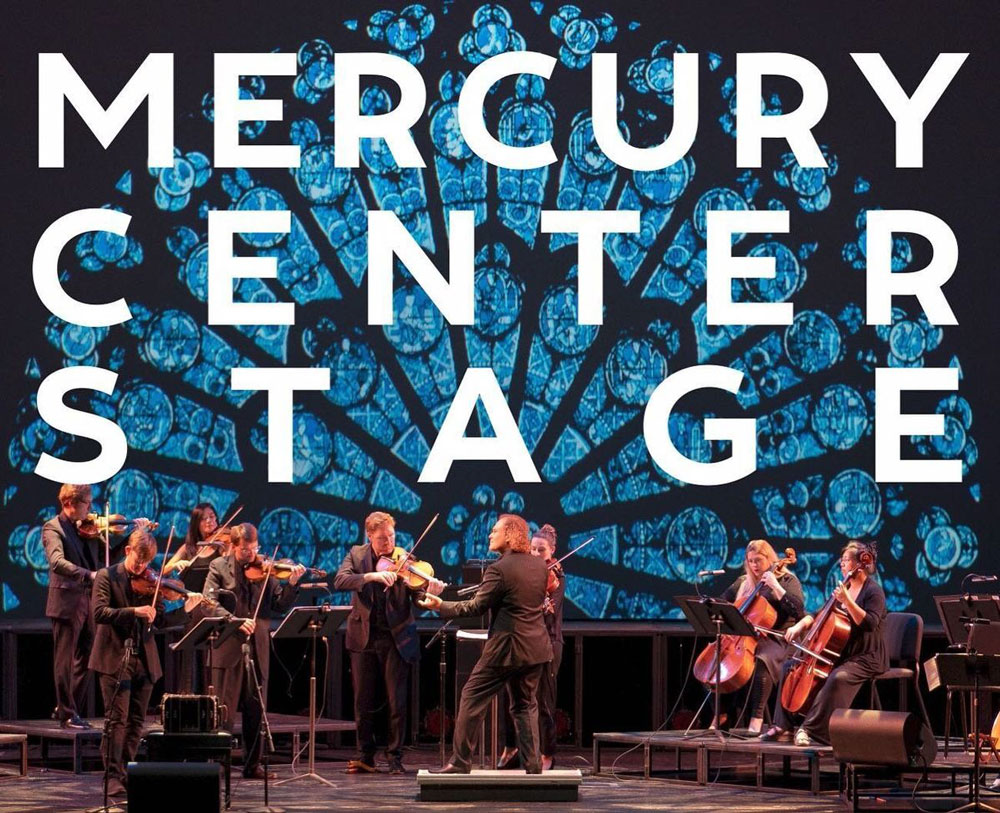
126,657
265,726
442,679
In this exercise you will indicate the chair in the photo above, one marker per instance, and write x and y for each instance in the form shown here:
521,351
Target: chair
903,633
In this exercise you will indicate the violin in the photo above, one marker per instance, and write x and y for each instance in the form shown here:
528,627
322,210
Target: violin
555,577
94,526
823,644
256,569
144,584
737,652
413,572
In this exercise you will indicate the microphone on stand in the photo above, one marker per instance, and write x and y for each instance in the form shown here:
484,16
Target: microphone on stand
702,573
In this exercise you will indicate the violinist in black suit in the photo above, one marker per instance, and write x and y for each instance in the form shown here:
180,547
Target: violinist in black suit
518,647
72,569
227,573
123,616
381,637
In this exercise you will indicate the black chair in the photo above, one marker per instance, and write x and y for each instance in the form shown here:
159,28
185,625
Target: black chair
903,633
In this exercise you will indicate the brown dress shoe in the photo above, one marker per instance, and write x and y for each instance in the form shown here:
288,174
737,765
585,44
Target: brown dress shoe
361,766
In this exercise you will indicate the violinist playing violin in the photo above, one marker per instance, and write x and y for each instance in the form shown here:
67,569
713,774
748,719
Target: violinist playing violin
124,615
543,545
73,562
863,657
194,561
381,637
229,573
782,590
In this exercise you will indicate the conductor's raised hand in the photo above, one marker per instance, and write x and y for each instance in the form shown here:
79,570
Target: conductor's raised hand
429,601
435,586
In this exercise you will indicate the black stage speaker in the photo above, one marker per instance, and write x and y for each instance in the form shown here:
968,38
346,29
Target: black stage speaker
151,784
869,737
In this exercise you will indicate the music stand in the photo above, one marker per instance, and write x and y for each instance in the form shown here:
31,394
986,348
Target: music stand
979,673
311,622
715,618
955,612
208,633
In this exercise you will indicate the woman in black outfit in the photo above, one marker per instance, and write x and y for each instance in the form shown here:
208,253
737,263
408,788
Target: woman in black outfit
784,593
193,562
864,656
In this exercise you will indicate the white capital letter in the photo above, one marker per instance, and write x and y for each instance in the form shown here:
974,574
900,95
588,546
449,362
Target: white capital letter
388,237
45,268
891,424
604,107
452,445
590,226
742,432
752,126
909,113
722,268
153,80
925,284
52,410
223,268
472,99
230,110
350,126
280,383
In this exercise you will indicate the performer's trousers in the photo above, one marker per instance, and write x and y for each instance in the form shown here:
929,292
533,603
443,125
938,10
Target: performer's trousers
72,640
837,692
236,691
547,695
380,662
126,712
483,683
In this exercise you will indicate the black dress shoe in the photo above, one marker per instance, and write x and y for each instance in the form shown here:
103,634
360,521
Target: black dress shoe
75,722
452,768
396,765
258,773
510,763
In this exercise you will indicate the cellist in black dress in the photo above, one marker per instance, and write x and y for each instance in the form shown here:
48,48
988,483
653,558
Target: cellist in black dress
784,593
863,657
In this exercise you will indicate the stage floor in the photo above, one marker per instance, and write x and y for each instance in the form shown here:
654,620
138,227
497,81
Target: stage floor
57,791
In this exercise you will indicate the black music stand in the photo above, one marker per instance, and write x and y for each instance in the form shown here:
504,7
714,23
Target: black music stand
955,613
311,622
980,673
208,633
714,618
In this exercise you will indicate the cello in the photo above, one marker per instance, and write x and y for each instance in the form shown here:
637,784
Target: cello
822,646
739,651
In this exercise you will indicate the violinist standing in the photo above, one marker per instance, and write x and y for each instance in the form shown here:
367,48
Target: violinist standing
72,569
194,563
121,615
864,656
227,573
783,591
543,545
518,647
381,638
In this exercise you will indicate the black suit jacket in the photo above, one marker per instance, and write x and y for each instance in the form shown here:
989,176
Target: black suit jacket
69,572
399,601
222,574
116,622
514,589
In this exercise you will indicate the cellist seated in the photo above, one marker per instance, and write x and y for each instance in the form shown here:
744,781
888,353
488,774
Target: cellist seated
864,656
782,590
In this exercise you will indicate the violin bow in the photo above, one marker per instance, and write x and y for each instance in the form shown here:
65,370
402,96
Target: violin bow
267,576
567,555
163,565
420,539
107,533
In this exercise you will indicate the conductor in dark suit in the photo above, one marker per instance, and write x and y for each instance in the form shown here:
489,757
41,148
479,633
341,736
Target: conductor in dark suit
121,615
381,637
228,662
72,569
517,649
